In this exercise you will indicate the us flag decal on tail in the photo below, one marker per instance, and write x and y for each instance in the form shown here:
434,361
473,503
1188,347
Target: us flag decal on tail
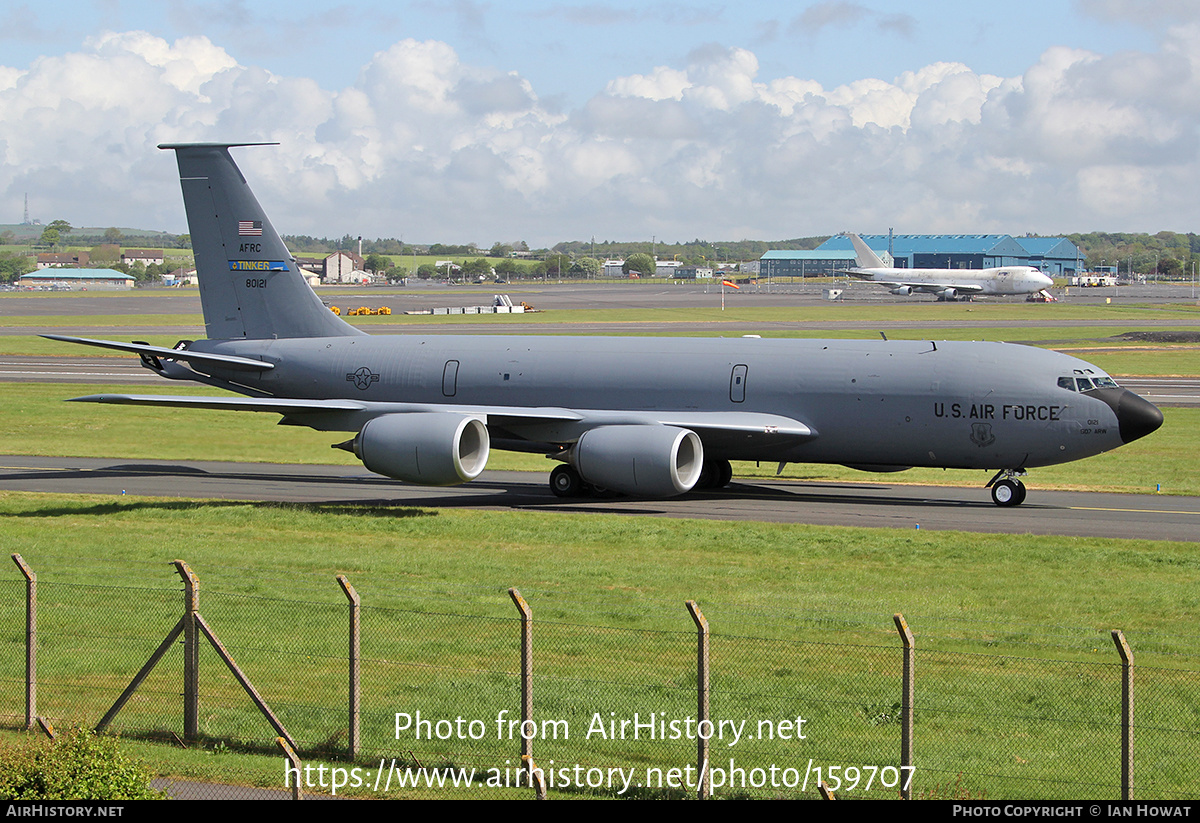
249,228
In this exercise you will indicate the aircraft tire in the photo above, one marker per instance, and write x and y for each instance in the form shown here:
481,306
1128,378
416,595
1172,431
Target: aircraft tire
1008,493
566,482
714,474
724,474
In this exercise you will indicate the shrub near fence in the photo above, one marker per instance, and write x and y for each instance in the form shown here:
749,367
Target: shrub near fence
610,710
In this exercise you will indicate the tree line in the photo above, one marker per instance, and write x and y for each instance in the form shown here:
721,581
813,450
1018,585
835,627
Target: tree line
1166,253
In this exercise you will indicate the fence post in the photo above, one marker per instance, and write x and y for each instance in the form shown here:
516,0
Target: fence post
906,706
30,640
703,787
526,674
191,652
294,768
1126,713
355,603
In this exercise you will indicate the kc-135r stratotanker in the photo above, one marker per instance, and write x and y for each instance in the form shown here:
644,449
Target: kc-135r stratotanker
650,417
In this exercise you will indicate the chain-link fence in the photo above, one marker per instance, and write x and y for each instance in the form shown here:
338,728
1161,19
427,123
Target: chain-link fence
471,696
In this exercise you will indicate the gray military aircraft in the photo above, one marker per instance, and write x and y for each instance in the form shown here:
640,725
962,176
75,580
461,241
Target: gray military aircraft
650,417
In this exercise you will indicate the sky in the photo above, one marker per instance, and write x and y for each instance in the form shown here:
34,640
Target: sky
543,121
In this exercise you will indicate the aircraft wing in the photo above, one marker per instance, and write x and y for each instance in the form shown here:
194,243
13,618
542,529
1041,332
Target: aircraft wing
538,423
935,288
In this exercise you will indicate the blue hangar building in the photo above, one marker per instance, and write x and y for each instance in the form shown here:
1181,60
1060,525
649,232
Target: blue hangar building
1056,256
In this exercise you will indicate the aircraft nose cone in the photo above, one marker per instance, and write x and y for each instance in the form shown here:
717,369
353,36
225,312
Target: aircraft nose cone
1136,416
1044,281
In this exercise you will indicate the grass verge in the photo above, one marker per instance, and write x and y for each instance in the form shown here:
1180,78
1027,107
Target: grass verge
1017,690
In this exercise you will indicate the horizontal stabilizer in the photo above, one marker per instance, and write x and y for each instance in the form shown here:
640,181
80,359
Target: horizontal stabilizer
228,361
278,405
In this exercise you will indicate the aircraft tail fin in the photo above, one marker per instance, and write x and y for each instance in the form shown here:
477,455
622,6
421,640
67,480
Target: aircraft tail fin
250,285
867,259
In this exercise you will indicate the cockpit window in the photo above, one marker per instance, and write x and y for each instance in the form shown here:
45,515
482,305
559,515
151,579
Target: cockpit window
1084,384
1105,383
1067,383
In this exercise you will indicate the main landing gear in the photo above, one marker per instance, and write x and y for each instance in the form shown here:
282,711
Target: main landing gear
714,474
1007,489
565,481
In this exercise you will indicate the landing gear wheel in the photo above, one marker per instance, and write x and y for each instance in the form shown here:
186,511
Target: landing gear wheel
566,482
714,474
724,474
1008,492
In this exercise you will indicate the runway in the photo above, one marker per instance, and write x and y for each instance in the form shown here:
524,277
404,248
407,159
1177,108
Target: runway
1084,514
652,294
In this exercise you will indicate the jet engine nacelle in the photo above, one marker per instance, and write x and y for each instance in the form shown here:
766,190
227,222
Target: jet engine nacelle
905,290
948,294
644,461
434,449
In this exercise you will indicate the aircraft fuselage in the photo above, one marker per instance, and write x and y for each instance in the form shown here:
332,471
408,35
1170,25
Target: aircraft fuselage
1003,280
879,403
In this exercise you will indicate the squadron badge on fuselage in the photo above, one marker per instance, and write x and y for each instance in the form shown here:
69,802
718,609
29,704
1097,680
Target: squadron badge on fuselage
981,434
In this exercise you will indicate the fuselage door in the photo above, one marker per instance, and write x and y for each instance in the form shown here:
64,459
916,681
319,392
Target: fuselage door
450,378
737,384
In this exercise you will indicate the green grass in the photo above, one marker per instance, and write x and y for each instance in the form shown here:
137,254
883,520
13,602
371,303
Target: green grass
50,322
1014,657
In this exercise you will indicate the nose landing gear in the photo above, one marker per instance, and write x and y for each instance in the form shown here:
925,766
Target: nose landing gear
1007,489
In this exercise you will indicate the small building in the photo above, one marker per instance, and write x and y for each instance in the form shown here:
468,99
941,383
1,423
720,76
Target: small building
812,263
182,276
344,267
312,265
693,273
1055,256
59,260
147,257
614,268
64,278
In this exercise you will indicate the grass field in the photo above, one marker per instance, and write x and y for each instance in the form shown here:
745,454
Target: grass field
801,618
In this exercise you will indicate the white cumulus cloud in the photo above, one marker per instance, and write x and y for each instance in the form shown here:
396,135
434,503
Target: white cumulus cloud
430,146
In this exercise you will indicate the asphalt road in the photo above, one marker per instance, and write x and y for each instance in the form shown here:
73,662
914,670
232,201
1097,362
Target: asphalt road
847,504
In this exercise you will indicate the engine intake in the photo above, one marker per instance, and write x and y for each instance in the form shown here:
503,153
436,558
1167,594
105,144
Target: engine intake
435,448
643,461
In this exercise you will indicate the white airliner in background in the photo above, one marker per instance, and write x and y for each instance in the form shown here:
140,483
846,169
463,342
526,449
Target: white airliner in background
947,284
